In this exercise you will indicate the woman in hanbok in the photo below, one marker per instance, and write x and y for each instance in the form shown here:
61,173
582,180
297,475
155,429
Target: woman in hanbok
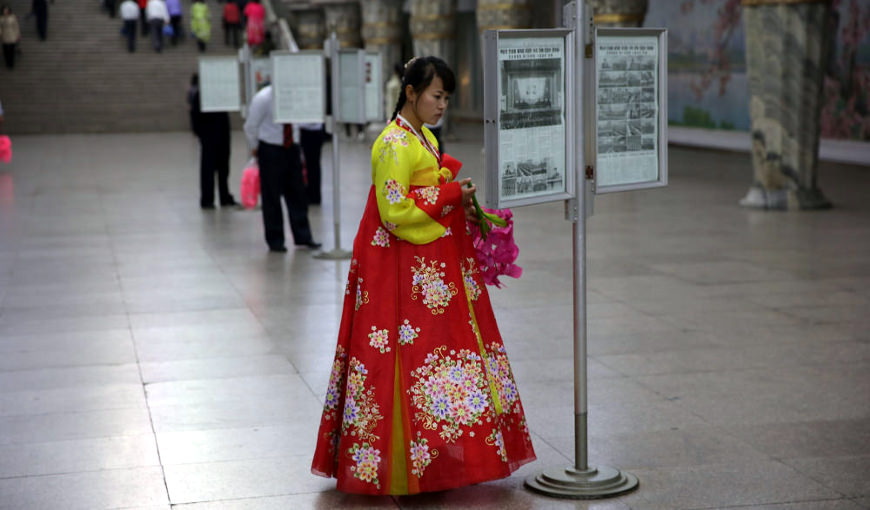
421,396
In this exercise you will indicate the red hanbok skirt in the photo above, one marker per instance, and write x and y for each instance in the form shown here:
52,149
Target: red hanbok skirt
421,396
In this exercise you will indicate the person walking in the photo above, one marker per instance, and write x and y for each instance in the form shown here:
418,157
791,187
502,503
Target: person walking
200,23
129,15
213,131
157,17
280,174
176,14
39,9
255,26
143,18
10,35
421,395
232,21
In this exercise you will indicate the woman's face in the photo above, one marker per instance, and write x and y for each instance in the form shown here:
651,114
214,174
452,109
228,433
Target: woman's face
429,106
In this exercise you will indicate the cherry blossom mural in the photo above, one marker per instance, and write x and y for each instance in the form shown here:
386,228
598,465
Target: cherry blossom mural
707,66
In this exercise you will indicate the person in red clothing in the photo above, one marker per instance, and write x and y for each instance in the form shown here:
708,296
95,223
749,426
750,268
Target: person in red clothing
232,23
256,27
143,19
421,396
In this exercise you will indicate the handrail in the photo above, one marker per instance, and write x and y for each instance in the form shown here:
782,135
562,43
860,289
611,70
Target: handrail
286,41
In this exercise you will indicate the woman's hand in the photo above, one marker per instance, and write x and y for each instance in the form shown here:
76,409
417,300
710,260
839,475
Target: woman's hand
468,191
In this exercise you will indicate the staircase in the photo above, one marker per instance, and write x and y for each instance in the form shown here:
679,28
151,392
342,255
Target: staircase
83,80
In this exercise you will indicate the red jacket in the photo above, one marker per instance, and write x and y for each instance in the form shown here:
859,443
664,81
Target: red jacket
142,3
231,13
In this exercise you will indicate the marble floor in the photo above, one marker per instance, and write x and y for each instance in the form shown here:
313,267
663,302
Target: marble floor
155,356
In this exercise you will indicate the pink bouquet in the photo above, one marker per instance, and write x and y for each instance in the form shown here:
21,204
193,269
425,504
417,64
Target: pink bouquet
5,149
494,246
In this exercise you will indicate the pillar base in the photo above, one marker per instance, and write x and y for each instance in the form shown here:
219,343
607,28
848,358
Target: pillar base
336,254
603,482
785,199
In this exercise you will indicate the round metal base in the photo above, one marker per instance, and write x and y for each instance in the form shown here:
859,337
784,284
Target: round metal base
603,482
333,255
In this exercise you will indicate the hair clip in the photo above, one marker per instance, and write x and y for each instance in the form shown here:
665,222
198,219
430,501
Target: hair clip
408,64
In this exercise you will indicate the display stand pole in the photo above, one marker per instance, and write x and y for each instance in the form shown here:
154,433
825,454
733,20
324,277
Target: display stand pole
581,481
336,253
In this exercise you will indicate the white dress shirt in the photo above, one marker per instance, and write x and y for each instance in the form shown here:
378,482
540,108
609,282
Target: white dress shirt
156,9
129,10
260,124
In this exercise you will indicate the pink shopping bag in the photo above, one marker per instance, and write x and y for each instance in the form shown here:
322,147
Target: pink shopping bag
5,149
250,186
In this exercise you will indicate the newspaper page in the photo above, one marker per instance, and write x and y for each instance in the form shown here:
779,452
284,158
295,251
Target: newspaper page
219,86
298,87
627,110
531,116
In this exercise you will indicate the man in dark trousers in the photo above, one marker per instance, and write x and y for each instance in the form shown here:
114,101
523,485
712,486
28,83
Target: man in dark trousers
213,131
311,136
280,174
39,8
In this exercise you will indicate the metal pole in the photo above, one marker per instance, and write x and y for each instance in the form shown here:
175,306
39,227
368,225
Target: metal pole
581,481
337,253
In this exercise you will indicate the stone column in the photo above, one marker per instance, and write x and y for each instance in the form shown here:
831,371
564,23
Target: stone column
787,44
503,14
310,28
344,17
432,27
382,31
618,13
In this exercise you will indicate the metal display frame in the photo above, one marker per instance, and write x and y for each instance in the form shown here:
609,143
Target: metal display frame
374,84
337,253
493,108
315,57
352,70
208,66
581,480
601,35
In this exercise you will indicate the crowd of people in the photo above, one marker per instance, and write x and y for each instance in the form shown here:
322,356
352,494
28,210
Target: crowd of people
10,30
165,18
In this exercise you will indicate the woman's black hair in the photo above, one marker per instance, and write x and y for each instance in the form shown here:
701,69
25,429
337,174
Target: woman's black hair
419,73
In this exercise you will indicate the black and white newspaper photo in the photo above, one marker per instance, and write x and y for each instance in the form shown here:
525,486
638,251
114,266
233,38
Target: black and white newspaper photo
627,109
531,116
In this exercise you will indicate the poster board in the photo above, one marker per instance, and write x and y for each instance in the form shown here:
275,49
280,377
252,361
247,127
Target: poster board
351,86
374,86
298,86
631,132
219,84
528,116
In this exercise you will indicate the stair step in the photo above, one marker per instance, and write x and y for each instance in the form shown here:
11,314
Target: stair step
82,79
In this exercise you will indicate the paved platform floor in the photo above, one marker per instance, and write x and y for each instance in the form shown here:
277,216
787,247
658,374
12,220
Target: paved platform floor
155,356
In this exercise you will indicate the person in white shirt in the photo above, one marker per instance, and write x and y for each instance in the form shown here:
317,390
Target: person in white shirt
157,15
280,174
129,14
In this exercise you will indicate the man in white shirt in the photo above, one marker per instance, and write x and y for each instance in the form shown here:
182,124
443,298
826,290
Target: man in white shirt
280,174
157,15
129,14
